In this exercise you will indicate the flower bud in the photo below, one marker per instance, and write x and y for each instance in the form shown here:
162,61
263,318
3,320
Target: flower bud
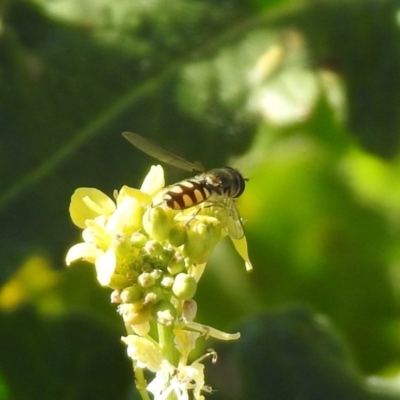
177,235
131,276
118,282
115,297
151,298
138,239
146,280
167,281
176,264
184,286
153,248
164,313
156,273
202,238
131,294
132,314
157,223
166,255
189,310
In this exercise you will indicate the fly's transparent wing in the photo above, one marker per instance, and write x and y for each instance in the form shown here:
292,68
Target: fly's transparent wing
227,213
158,152
234,224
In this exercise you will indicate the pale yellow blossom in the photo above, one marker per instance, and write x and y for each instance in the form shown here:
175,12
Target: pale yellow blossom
146,353
153,257
179,381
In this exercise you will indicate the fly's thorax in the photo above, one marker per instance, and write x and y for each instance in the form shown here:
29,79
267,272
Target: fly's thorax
225,181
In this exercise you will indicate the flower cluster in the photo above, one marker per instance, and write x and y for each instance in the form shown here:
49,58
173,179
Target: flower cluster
152,257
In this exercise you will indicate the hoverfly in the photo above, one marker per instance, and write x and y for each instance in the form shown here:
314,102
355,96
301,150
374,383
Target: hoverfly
219,186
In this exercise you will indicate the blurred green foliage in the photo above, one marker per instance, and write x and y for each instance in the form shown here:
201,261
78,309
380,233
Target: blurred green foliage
305,94
291,354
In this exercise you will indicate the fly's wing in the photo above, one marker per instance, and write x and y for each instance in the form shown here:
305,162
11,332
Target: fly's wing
234,224
227,213
158,152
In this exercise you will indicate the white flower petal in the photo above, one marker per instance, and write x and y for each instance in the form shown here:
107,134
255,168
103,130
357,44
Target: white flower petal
154,180
178,381
209,331
81,251
105,266
132,193
185,341
128,213
87,203
146,353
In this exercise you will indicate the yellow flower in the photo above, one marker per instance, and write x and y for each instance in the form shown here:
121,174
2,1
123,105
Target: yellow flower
178,382
145,352
185,342
137,241
87,204
153,258
107,224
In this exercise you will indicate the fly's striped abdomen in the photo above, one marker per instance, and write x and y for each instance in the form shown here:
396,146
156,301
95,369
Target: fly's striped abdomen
186,194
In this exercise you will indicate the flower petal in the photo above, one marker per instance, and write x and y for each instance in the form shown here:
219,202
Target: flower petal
88,203
209,331
128,214
185,341
241,248
154,180
96,232
132,193
145,352
81,251
195,372
105,266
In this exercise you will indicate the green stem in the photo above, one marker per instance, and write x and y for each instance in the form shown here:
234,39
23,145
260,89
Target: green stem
141,383
166,342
